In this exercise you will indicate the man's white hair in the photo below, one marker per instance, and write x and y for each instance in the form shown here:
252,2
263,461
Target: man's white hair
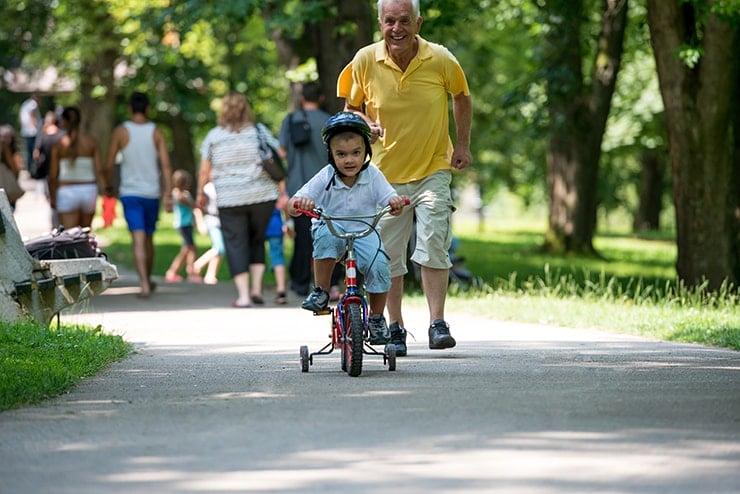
414,8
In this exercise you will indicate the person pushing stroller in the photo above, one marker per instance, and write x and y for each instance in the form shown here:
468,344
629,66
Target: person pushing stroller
349,186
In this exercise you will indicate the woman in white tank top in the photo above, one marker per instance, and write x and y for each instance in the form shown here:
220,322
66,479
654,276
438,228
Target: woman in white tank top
75,173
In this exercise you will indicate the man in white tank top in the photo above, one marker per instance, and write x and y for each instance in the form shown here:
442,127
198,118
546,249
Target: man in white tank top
145,179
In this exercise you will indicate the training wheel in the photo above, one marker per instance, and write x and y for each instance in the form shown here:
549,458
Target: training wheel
390,356
305,359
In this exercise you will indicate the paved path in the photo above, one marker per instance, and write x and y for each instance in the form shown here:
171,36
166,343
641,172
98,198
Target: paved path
213,401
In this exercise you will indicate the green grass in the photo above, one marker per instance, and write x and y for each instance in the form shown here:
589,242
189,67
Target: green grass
631,289
37,362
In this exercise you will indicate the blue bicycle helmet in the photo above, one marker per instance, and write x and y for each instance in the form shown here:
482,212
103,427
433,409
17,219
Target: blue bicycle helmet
345,121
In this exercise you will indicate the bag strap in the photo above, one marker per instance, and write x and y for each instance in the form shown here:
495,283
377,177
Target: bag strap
291,116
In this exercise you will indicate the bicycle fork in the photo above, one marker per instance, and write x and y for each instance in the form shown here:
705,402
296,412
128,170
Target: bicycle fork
352,292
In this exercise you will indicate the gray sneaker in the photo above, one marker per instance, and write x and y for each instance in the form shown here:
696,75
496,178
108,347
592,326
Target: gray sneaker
379,333
439,336
317,300
398,339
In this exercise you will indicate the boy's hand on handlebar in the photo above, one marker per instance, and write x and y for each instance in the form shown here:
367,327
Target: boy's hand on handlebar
301,203
397,204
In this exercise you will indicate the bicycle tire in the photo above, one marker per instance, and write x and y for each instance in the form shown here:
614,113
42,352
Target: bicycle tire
305,358
353,342
390,356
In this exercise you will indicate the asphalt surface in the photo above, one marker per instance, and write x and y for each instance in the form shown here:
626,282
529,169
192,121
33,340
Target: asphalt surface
213,400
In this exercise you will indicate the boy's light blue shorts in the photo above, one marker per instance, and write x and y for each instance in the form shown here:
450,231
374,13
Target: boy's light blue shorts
372,260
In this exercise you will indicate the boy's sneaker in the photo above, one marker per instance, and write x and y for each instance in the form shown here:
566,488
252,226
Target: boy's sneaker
317,300
379,333
439,335
398,339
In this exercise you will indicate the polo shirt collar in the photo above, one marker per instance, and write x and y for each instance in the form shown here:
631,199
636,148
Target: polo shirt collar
424,52
336,182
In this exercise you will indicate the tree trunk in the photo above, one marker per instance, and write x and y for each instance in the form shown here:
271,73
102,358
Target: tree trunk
332,40
577,119
651,190
697,102
98,108
336,39
182,151
734,199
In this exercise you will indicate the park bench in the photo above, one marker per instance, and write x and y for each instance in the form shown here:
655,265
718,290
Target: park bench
33,289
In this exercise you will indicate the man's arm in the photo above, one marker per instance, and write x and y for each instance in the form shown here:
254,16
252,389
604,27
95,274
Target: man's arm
166,168
462,111
115,145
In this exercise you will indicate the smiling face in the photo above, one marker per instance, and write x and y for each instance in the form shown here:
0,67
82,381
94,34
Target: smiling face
348,150
399,26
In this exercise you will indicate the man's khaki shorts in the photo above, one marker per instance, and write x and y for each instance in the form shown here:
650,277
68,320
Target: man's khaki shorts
430,213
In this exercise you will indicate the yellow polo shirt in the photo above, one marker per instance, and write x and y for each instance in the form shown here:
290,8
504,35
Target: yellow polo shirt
411,106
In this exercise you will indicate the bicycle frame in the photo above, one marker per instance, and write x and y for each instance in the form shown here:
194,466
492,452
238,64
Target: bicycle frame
342,336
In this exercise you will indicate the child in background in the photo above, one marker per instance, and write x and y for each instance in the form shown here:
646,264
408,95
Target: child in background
211,259
183,220
274,236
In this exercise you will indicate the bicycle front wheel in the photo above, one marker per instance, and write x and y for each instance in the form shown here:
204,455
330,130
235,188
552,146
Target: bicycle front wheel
352,344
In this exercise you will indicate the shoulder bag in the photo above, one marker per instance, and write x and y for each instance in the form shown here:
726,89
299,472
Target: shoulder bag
269,158
300,130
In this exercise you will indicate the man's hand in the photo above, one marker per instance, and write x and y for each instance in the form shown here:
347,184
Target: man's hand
167,200
397,204
376,132
461,158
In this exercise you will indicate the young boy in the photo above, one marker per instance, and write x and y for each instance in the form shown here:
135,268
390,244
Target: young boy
349,186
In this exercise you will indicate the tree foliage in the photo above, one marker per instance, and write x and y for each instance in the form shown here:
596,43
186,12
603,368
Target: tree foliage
186,55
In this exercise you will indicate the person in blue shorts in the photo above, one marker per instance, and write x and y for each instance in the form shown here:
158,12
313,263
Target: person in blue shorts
146,176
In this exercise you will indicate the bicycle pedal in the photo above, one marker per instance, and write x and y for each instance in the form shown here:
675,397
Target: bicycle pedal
322,312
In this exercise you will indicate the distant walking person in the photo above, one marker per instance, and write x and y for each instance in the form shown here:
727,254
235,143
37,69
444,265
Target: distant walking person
305,159
211,259
184,221
10,158
50,133
274,235
30,119
145,178
76,175
245,193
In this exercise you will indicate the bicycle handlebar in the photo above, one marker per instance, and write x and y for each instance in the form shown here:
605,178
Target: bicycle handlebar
318,213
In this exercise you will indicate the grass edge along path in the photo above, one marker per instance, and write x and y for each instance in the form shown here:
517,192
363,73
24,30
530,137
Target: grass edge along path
672,312
38,362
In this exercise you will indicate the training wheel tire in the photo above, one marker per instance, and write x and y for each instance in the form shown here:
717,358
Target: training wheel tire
305,359
390,356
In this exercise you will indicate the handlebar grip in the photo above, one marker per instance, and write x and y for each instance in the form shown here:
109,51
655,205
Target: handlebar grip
406,201
303,211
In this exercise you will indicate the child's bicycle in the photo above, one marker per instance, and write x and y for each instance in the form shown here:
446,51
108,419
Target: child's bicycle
349,321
